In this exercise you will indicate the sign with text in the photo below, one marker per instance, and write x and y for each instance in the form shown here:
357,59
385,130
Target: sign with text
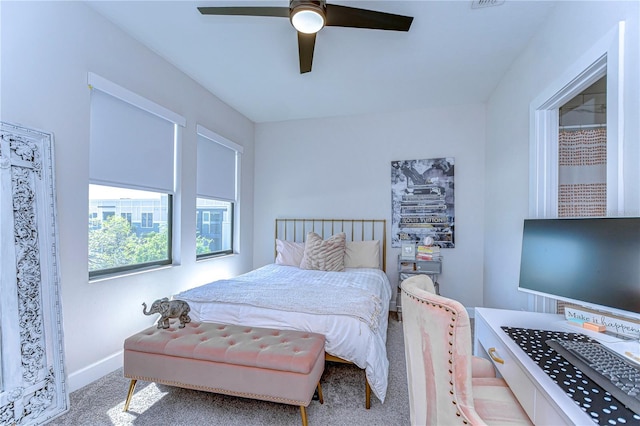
613,323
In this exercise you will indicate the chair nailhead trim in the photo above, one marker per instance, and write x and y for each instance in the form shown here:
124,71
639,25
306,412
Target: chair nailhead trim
451,333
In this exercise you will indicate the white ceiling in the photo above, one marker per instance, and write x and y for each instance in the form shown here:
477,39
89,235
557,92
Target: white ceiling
453,54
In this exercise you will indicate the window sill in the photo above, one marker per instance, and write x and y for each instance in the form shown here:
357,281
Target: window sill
215,256
117,275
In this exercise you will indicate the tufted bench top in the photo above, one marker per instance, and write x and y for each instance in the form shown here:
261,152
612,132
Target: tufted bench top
283,350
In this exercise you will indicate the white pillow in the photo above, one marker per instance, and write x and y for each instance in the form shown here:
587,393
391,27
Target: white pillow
289,253
324,255
362,254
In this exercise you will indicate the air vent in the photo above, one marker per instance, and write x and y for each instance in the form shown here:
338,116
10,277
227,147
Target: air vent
477,4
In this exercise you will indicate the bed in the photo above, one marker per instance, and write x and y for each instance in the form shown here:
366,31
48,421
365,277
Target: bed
350,306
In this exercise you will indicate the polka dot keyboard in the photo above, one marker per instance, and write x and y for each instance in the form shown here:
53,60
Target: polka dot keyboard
597,402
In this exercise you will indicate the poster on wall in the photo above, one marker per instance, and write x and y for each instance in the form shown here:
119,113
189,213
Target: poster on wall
422,201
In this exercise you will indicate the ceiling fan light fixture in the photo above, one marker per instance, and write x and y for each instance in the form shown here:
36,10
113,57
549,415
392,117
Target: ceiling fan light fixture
307,19
310,16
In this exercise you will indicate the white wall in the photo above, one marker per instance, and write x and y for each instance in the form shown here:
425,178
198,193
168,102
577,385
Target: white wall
341,168
47,50
571,30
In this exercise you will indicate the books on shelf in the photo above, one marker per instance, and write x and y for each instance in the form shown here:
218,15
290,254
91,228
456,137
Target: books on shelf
428,256
427,253
428,249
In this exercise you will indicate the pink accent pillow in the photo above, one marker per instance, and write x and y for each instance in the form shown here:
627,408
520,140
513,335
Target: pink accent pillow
324,255
289,253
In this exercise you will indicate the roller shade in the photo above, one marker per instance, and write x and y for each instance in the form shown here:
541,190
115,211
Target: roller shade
217,168
130,146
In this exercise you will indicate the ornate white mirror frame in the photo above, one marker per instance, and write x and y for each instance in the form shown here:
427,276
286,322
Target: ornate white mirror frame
32,377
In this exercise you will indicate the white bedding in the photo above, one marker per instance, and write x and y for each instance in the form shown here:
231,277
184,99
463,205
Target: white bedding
286,297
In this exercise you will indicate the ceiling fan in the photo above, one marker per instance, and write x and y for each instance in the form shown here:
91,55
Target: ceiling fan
310,16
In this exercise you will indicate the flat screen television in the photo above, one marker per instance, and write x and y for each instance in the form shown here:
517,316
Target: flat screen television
594,262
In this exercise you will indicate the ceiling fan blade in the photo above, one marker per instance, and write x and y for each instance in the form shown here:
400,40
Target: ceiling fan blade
344,16
282,12
306,44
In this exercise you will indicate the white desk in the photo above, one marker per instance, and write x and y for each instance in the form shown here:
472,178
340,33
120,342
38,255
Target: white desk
544,401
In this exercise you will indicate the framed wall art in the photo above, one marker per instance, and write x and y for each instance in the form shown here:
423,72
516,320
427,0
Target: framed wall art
422,201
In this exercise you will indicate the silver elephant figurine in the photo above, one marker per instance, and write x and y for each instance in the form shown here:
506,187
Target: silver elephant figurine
169,309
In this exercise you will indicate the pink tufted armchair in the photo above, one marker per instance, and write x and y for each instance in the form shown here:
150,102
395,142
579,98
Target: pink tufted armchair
447,384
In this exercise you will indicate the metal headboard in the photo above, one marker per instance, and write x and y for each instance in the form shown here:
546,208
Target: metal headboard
355,230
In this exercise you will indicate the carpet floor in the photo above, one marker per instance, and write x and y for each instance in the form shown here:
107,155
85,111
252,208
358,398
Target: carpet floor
101,402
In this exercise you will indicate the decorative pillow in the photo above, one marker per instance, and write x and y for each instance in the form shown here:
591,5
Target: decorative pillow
324,255
362,254
289,253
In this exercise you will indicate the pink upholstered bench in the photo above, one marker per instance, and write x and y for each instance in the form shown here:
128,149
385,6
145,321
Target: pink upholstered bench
259,363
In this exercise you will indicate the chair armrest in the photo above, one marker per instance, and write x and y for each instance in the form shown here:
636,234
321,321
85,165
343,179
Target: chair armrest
481,367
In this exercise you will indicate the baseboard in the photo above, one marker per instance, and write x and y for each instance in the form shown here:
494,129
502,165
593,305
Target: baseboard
95,371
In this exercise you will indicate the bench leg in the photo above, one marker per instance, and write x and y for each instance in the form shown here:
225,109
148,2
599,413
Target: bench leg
303,410
367,393
132,387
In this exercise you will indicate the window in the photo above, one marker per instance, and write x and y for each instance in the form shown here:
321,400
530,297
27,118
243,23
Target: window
206,220
132,175
127,217
122,239
217,201
147,220
94,223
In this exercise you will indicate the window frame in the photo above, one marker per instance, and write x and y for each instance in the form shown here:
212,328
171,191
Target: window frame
120,270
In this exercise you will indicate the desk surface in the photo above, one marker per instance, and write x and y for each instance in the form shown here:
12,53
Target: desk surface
531,384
